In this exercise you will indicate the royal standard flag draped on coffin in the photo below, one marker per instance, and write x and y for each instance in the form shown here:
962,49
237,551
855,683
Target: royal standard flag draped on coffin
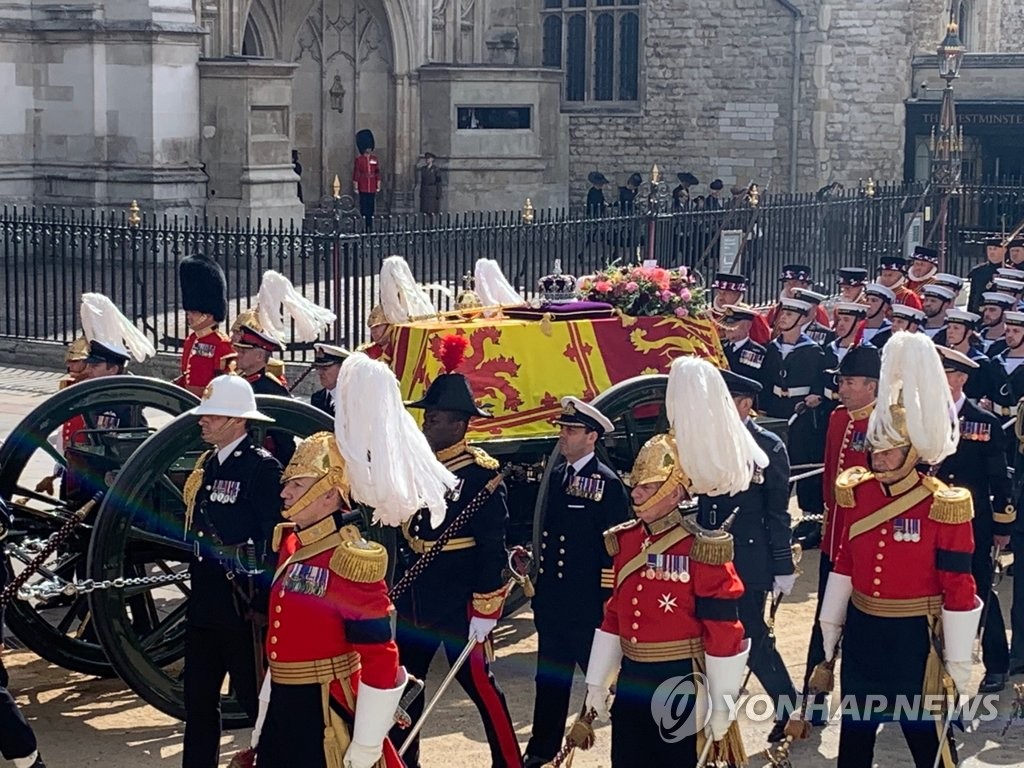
519,369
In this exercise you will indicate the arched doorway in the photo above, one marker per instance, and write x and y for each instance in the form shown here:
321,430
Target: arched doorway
345,82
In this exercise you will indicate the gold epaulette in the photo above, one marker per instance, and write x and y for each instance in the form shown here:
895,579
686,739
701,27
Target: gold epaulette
361,561
192,485
487,603
279,531
275,379
611,536
950,504
848,480
712,548
483,458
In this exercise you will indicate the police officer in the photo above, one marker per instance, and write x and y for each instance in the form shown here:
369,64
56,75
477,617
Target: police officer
327,361
585,498
17,741
461,593
763,555
745,356
979,465
232,507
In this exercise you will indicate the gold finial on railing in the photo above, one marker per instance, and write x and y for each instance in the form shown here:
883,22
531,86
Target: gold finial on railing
754,195
869,188
655,174
528,211
336,187
134,216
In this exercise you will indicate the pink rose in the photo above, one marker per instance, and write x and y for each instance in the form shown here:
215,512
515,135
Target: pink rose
602,286
667,296
682,312
685,294
631,286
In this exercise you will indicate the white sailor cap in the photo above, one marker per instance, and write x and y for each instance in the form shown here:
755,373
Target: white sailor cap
949,281
851,308
955,361
327,355
939,292
812,297
995,298
795,305
908,312
576,413
1010,273
883,292
1013,317
962,316
1008,286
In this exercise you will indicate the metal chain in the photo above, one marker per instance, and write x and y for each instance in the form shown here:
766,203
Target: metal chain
50,589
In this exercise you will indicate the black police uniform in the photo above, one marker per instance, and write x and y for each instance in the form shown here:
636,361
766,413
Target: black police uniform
979,465
236,502
323,400
746,360
762,540
435,609
787,381
980,278
279,443
16,737
574,581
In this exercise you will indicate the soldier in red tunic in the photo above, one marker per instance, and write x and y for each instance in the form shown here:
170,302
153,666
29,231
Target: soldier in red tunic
903,570
729,290
366,176
924,265
379,345
892,273
793,276
335,682
674,606
204,299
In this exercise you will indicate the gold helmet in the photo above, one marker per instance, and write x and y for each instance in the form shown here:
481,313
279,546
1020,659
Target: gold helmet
658,462
376,317
77,350
317,457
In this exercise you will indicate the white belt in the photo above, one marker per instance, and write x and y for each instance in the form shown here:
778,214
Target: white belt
1002,410
791,392
831,395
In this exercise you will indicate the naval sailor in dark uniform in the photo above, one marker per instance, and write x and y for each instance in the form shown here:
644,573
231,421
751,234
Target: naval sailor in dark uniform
981,276
745,356
462,593
763,554
232,506
818,332
327,362
979,465
584,499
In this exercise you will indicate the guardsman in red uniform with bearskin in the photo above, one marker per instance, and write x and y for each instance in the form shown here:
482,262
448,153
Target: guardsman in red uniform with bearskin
204,299
335,681
901,593
366,175
924,265
845,447
674,607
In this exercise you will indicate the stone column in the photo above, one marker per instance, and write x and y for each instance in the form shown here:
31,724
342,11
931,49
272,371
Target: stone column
247,135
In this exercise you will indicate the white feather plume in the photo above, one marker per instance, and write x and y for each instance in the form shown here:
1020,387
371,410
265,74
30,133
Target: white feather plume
493,287
102,321
401,297
714,447
912,375
390,465
279,302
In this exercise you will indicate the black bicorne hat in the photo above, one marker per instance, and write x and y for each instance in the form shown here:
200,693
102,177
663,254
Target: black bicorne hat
450,392
203,286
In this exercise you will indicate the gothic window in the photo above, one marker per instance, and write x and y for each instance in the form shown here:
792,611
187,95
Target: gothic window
597,42
251,43
965,20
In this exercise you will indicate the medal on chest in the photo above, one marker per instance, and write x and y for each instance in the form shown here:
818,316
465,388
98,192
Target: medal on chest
975,431
108,420
858,441
306,580
202,349
225,491
904,529
751,358
586,487
667,568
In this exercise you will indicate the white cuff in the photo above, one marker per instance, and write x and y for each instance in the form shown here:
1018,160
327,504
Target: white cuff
959,629
605,658
837,597
375,711
725,673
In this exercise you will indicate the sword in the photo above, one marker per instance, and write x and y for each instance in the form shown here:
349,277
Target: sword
996,578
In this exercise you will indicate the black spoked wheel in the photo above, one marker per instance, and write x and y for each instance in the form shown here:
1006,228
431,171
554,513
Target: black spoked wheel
139,534
637,409
60,627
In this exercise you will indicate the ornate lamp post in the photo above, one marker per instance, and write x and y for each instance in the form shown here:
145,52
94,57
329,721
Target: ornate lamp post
947,143
656,193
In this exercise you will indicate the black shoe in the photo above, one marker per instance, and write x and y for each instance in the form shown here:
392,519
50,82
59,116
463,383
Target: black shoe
778,732
992,682
1016,668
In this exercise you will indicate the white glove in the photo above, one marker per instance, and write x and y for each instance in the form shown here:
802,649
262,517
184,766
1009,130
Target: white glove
718,724
261,715
362,756
838,589
960,671
480,627
784,584
830,637
598,697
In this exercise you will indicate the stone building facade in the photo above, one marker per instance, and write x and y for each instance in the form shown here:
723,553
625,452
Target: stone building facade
193,105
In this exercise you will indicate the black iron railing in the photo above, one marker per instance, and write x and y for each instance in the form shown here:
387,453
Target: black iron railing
49,257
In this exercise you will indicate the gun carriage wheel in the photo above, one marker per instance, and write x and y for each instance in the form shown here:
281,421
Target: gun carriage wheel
59,626
139,534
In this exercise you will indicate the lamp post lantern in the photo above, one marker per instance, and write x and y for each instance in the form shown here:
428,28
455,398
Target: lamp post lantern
946,144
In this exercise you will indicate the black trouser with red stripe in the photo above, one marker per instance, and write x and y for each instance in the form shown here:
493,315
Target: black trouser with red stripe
417,645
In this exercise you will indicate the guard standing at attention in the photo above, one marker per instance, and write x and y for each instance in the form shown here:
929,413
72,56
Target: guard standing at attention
744,355
763,555
901,594
205,301
327,361
461,594
585,498
231,508
674,610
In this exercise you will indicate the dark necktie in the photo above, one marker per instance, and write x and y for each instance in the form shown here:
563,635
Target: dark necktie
570,472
